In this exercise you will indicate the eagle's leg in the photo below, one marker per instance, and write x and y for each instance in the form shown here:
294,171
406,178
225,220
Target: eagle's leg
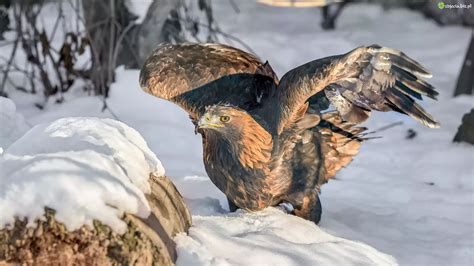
286,207
232,206
306,206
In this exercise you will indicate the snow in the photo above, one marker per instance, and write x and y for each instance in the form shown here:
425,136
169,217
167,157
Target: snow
409,198
84,168
269,237
13,124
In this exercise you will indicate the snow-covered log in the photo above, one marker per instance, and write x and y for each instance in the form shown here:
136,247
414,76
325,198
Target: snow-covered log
87,191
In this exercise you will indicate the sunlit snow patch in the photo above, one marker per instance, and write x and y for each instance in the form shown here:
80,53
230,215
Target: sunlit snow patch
269,237
84,168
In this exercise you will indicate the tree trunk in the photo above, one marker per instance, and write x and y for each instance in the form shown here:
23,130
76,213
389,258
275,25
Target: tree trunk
104,21
465,84
151,31
146,242
466,129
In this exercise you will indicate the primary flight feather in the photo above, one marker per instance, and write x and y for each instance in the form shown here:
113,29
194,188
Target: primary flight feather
267,141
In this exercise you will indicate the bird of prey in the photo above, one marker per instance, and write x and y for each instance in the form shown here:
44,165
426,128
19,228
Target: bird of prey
270,142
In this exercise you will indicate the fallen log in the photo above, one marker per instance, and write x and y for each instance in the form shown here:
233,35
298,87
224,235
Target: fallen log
146,242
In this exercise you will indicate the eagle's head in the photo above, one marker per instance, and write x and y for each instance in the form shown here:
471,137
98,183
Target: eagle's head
224,119
247,139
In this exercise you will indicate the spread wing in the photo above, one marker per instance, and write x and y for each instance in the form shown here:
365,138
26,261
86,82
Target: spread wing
367,78
197,75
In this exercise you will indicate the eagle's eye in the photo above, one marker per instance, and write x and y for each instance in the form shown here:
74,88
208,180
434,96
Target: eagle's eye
224,119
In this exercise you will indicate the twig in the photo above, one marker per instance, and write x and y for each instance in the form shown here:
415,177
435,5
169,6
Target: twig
234,6
110,71
56,23
16,68
105,106
10,61
394,124
247,47
119,42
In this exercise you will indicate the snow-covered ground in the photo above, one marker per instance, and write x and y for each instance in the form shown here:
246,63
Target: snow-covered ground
410,198
13,124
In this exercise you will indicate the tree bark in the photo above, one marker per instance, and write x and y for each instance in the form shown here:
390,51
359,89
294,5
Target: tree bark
104,21
465,84
466,129
151,30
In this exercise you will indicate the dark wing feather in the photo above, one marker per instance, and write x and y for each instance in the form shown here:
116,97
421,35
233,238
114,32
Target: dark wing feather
294,90
367,78
319,146
175,71
246,91
324,148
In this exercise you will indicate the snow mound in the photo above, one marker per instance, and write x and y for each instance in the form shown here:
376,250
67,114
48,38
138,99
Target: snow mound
13,124
269,237
84,168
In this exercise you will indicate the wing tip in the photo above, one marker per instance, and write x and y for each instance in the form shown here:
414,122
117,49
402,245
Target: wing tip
431,124
426,74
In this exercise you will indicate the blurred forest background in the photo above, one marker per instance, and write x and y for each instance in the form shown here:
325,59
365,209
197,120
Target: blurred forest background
408,194
88,39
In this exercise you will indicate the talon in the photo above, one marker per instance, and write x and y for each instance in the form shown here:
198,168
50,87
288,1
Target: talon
286,207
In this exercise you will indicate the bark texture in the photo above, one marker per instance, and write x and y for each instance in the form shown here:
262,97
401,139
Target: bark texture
465,83
152,31
146,242
466,129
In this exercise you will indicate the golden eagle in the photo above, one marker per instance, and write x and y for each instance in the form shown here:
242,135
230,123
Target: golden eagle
267,141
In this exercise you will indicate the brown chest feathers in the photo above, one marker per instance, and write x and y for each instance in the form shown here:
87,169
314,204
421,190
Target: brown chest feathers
255,147
238,161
